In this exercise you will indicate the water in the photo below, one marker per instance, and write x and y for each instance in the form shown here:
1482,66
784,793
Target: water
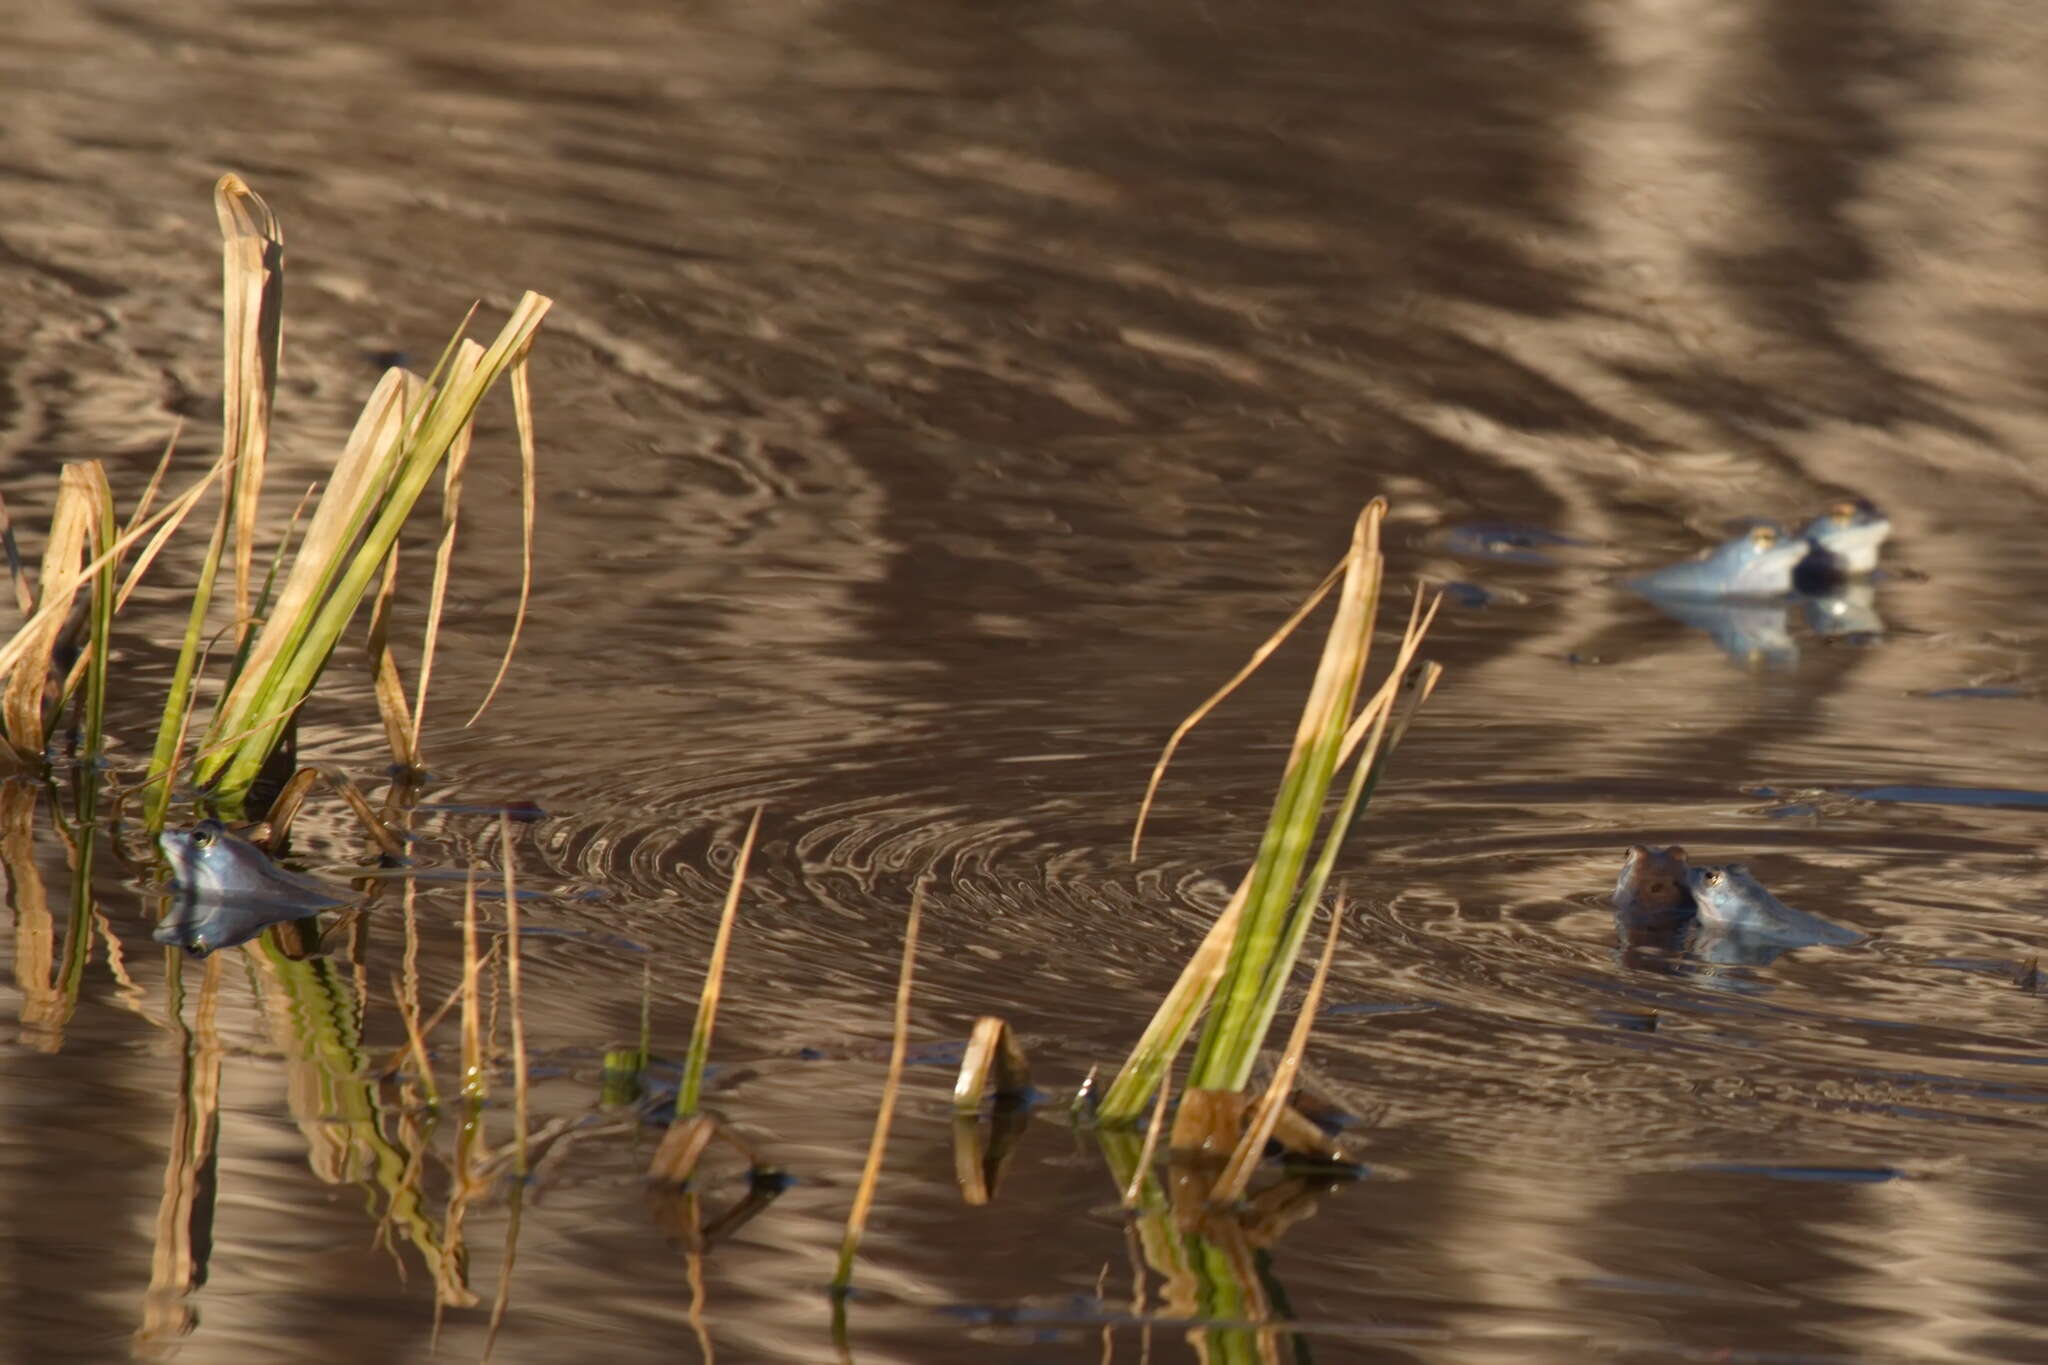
938,403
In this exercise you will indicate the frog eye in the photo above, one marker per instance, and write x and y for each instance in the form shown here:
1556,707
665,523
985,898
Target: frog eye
1713,878
1844,512
1763,537
198,946
202,837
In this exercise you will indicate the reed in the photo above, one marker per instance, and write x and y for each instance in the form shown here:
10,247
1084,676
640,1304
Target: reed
288,615
406,432
714,978
1242,967
871,1172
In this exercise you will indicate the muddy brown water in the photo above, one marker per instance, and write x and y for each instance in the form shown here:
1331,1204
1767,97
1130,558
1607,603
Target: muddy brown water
940,400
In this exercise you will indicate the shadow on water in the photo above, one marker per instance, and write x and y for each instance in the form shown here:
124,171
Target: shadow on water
942,398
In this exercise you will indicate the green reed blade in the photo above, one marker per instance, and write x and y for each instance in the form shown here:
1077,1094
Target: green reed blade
1231,1039
1368,764
1146,1067
171,724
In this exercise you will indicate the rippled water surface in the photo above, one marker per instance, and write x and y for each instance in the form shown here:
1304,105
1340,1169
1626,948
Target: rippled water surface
939,401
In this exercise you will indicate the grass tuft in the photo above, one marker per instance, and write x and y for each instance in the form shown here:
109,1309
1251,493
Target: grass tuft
1244,963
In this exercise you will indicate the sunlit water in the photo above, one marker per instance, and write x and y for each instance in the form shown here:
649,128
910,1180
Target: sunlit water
939,401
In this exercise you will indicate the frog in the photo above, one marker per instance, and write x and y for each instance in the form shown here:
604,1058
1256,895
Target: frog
1741,921
1653,907
1842,543
1755,564
225,890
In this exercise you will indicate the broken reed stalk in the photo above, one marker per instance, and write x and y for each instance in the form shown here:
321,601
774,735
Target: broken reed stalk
408,428
993,1056
1249,954
714,976
864,1195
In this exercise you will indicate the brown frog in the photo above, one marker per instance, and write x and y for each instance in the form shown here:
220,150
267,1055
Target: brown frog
1653,905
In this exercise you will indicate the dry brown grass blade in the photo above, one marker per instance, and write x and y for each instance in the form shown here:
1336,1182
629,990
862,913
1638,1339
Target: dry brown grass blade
389,687
175,516
475,1077
277,823
387,842
522,413
444,559
871,1173
1150,1147
396,1057
714,977
993,1052
1265,1116
156,478
1377,713
252,287
12,651
519,1079
416,1046
1259,657
71,525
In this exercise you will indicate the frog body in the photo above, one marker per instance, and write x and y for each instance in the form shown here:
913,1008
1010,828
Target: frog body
1842,543
1736,907
225,890
1756,564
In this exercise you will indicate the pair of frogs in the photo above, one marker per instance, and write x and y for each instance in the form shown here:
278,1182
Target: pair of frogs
1719,913
1763,562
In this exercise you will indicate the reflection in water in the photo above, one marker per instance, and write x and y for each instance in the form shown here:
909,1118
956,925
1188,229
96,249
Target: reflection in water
1757,635
935,392
1752,634
1850,614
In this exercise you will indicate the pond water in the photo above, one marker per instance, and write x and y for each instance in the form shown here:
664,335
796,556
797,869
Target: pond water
939,401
